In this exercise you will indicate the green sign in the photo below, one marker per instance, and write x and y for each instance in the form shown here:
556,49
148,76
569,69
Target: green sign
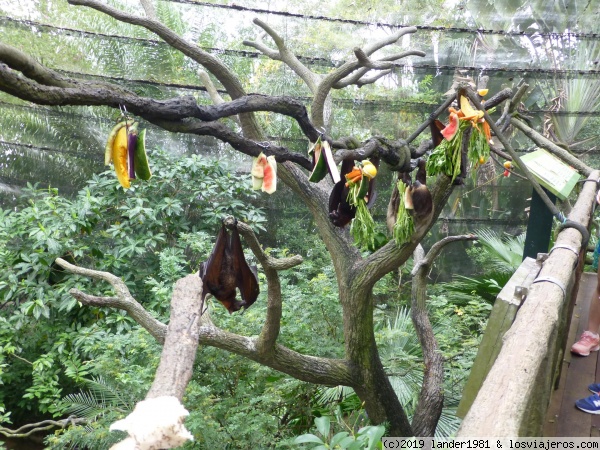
556,176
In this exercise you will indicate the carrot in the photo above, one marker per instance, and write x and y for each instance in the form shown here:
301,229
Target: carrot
353,180
353,174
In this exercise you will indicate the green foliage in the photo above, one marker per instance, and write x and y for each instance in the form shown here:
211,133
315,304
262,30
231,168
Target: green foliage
120,374
402,356
368,437
463,288
503,253
404,226
149,236
102,403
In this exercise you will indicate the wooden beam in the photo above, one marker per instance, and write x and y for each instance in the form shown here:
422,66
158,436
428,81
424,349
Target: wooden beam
514,396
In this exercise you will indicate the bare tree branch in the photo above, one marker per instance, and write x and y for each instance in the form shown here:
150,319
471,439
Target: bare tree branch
285,55
149,9
436,249
170,113
391,39
229,81
181,341
45,425
210,87
32,69
238,142
394,153
186,301
386,63
263,48
543,142
124,300
431,397
358,80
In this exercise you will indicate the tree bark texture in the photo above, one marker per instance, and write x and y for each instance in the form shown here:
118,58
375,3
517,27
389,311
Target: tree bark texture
181,342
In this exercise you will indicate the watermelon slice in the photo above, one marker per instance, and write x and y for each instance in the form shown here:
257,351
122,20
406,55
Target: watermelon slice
258,171
452,128
269,184
142,169
319,164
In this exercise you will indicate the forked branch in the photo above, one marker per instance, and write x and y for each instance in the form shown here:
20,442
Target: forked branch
431,397
45,425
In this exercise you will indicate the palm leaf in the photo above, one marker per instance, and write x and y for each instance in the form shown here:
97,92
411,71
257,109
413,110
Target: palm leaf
84,405
100,398
506,252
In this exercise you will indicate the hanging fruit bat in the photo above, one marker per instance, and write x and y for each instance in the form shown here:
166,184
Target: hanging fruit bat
419,196
226,270
341,212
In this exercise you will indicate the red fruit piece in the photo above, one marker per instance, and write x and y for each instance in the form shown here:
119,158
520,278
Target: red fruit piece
452,128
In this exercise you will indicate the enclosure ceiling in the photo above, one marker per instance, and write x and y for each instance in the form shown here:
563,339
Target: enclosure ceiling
553,46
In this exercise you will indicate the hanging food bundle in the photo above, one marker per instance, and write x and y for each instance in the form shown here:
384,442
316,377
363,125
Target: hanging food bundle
357,182
323,162
446,157
264,173
126,149
404,226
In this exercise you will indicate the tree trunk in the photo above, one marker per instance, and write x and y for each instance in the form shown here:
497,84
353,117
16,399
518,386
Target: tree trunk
372,384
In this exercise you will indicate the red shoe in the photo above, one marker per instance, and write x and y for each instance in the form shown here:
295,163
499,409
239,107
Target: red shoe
589,342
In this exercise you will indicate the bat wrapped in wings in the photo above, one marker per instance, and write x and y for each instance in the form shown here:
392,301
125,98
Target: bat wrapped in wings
226,270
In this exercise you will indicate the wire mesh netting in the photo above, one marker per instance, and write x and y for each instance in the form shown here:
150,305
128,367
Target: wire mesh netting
551,46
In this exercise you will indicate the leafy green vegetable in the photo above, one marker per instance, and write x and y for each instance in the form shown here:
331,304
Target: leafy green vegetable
404,226
479,147
363,226
445,158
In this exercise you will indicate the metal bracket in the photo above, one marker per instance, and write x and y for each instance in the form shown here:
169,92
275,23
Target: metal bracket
553,281
567,247
521,292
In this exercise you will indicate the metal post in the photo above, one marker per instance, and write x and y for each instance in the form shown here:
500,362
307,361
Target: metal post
539,227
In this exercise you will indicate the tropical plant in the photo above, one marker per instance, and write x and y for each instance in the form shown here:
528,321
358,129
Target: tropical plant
577,94
368,437
499,251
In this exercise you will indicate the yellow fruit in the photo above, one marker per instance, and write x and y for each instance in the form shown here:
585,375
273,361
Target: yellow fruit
111,140
469,112
369,170
483,92
120,158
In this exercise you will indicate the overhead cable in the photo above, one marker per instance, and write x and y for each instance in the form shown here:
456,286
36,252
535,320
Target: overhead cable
320,61
237,7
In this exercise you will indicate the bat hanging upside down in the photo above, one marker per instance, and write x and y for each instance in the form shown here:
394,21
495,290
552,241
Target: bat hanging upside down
227,270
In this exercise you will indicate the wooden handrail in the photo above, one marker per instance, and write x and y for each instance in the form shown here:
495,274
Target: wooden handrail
514,396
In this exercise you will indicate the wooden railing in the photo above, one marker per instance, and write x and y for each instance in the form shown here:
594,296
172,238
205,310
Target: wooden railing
517,364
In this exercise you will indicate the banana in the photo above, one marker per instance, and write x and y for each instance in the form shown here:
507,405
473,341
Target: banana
108,149
120,157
